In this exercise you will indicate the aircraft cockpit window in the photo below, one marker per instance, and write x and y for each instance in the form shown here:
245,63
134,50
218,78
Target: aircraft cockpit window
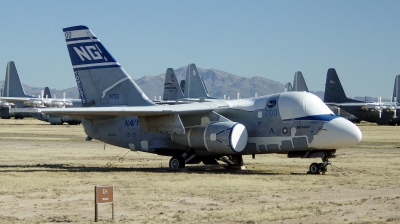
301,104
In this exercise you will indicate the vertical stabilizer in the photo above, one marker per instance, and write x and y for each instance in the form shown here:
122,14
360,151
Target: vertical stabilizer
194,86
12,83
172,90
299,84
100,78
334,92
46,93
396,89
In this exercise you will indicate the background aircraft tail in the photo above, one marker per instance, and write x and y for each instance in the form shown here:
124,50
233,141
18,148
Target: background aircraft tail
288,87
100,78
333,89
299,84
396,89
46,93
172,90
12,83
194,85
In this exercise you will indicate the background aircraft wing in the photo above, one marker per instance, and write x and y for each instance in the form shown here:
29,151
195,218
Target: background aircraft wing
351,104
17,99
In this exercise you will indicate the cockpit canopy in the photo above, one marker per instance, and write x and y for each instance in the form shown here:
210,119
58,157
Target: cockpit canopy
301,104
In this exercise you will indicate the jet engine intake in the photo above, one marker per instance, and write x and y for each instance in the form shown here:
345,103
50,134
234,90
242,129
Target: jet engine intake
218,137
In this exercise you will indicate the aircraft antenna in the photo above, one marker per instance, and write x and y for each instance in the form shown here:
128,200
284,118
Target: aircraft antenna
119,158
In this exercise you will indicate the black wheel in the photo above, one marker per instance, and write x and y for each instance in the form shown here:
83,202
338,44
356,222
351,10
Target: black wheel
176,162
315,168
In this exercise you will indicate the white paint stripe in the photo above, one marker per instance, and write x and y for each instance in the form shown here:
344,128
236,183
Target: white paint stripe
113,85
96,64
78,34
82,41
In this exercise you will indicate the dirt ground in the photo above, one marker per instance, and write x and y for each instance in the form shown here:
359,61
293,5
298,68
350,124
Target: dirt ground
48,174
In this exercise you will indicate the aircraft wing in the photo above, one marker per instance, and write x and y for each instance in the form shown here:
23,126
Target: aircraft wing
157,118
157,110
15,99
351,104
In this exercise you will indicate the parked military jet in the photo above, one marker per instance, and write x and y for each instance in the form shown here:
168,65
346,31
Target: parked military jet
192,88
117,112
22,103
376,112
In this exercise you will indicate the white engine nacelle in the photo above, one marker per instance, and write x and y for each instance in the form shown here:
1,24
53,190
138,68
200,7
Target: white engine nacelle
219,137
4,104
34,103
58,104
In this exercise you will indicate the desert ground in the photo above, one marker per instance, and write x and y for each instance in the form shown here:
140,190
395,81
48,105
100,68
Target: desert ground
48,174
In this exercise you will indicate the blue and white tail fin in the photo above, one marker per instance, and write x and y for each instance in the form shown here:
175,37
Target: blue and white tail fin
334,92
299,84
100,78
172,90
396,89
194,85
12,83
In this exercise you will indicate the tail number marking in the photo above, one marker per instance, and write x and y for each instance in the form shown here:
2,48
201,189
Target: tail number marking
114,96
90,52
271,113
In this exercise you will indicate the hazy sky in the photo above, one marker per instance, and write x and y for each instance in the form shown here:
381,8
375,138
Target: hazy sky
272,39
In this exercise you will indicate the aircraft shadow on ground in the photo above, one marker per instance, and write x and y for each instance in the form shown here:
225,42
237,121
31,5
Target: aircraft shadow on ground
83,169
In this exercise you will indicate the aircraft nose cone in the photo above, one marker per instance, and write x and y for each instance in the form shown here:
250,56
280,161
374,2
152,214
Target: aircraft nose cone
337,133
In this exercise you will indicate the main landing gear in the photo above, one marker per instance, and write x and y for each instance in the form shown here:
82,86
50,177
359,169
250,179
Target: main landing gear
318,168
179,161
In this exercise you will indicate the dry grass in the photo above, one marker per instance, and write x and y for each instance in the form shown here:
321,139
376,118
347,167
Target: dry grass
49,173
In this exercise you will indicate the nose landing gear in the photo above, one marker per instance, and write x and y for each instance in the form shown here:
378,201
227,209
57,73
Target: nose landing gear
318,168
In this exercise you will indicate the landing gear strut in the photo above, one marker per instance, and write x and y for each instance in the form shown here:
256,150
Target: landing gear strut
232,160
318,168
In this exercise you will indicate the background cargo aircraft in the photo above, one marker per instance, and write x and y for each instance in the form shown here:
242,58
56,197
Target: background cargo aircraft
117,112
22,104
376,112
299,84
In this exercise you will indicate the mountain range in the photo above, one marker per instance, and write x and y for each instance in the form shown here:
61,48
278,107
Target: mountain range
219,83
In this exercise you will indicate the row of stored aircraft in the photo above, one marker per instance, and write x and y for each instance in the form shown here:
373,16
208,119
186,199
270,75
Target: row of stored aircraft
382,113
15,102
189,125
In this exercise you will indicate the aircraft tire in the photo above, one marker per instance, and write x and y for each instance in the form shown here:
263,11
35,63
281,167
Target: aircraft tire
315,168
176,162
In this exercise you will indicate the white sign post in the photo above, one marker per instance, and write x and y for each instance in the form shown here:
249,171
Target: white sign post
103,195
